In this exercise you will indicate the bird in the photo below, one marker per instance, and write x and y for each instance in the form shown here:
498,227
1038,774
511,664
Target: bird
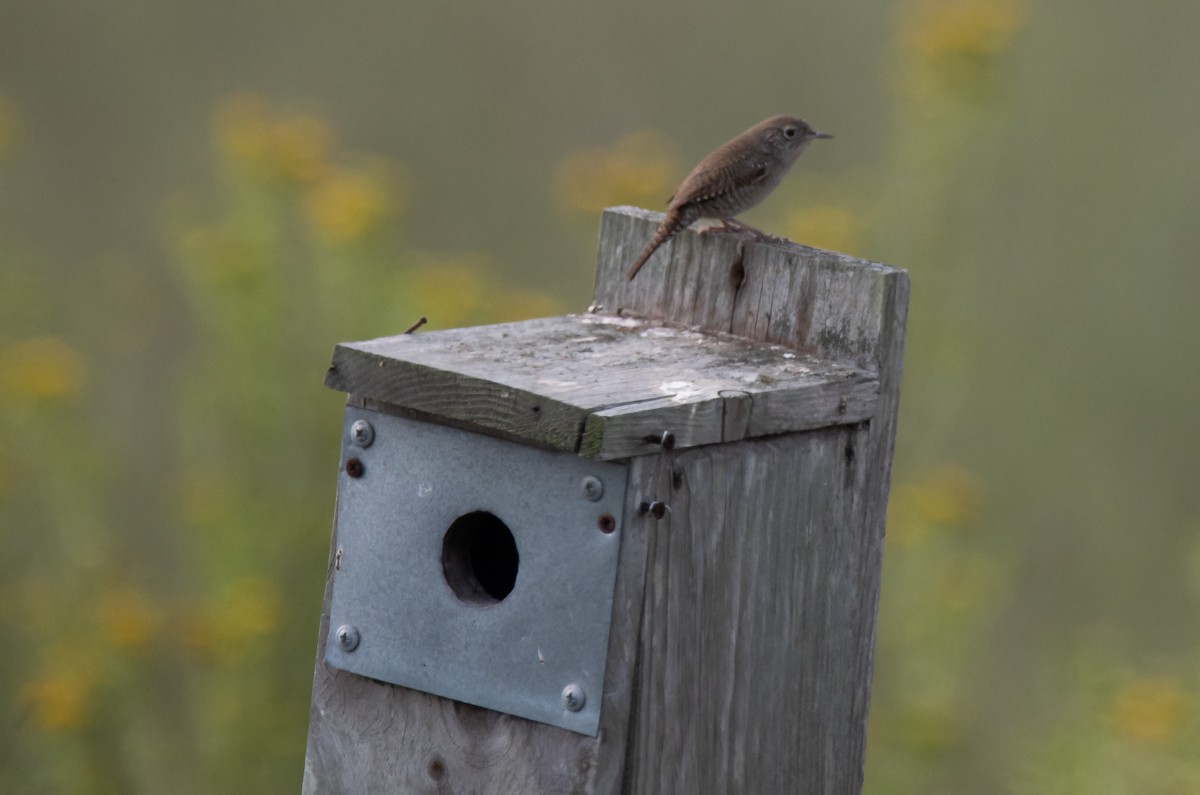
734,178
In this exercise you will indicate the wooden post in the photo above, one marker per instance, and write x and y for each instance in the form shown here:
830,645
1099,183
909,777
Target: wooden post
743,620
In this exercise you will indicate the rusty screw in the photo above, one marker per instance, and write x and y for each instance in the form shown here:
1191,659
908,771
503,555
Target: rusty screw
606,523
354,468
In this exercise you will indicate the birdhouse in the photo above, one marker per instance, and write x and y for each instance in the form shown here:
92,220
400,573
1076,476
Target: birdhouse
631,550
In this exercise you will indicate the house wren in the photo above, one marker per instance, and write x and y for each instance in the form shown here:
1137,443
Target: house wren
734,178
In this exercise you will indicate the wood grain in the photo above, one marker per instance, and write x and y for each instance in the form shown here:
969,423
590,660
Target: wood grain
598,385
757,622
743,626
819,302
758,627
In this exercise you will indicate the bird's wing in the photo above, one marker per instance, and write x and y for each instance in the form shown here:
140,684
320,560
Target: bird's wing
718,176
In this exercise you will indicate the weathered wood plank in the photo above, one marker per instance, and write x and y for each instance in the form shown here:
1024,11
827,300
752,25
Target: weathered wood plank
874,451
755,629
814,301
367,736
630,430
854,403
763,580
598,384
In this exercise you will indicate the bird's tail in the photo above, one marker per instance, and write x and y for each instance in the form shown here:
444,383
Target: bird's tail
670,225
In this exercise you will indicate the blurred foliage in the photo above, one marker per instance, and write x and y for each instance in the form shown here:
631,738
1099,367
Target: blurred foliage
9,124
165,566
1120,732
947,575
640,168
195,677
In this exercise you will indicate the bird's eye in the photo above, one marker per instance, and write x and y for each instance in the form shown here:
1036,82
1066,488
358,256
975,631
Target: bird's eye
789,132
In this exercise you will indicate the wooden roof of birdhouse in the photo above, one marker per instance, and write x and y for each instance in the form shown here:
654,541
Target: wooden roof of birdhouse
809,328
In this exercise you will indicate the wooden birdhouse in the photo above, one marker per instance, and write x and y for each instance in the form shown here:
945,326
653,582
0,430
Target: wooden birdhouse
634,550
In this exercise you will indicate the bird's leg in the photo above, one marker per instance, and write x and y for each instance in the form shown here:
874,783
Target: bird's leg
736,226
731,225
757,233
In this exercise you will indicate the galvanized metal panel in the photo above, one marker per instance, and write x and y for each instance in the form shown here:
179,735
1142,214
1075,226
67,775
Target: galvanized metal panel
539,652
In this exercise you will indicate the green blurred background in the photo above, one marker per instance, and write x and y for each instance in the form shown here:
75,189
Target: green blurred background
197,200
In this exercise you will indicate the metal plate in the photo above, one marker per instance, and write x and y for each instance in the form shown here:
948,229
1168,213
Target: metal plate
537,653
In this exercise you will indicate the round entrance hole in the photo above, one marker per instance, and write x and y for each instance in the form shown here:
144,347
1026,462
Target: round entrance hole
479,558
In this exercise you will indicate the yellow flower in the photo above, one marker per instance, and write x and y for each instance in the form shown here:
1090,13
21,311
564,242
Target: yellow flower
637,169
58,697
933,28
292,148
41,368
948,495
299,147
346,205
950,47
128,618
827,227
1149,710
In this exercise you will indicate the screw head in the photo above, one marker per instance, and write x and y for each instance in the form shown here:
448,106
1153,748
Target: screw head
573,697
347,637
592,488
362,433
606,523
354,468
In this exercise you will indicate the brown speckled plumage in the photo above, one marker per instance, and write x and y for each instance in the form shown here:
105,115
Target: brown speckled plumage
734,178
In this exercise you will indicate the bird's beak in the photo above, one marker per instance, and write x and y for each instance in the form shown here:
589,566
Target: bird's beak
821,135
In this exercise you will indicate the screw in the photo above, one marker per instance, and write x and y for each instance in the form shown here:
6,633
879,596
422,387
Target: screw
347,637
656,509
362,433
606,523
842,405
592,487
573,697
354,468
666,440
